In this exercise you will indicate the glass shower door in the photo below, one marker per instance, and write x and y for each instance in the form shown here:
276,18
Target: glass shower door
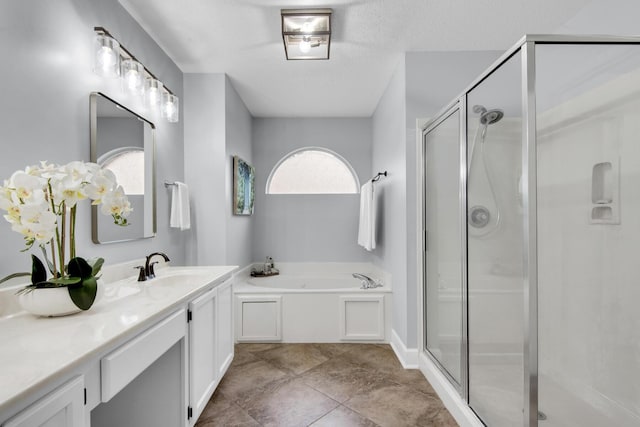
495,246
443,288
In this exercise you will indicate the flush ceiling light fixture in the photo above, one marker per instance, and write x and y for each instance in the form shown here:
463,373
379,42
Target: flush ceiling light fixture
306,33
113,60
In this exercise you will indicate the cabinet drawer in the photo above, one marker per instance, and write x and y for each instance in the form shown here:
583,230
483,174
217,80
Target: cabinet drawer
120,367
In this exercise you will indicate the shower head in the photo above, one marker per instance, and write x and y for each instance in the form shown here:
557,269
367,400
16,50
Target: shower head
491,116
488,117
479,109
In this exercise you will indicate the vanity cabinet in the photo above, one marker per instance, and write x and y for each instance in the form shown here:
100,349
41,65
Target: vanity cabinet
225,327
203,370
63,407
210,344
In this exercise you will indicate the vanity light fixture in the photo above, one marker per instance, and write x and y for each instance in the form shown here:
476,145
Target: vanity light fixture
306,33
111,59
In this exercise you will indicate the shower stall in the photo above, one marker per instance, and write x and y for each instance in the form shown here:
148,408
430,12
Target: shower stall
531,220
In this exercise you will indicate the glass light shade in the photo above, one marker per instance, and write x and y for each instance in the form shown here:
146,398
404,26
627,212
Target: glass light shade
305,45
133,75
106,60
153,92
170,107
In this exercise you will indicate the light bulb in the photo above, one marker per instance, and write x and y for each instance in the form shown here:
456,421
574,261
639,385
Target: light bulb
106,56
305,45
132,79
153,92
170,107
133,75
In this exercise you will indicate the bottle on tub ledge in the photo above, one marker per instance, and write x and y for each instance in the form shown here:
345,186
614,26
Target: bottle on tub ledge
268,269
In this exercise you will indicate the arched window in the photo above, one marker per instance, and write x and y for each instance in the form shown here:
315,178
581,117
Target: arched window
313,170
127,164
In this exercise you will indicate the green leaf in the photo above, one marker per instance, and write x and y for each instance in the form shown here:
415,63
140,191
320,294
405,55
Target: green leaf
65,281
96,265
78,267
84,295
13,276
38,272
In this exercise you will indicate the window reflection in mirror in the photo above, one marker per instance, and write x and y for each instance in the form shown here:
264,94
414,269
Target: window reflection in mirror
124,143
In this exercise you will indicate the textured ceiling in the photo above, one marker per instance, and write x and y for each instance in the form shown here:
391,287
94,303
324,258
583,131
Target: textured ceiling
242,39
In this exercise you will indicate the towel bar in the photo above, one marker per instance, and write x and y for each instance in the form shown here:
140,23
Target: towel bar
377,177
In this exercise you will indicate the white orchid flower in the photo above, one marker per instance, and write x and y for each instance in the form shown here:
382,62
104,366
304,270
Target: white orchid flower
76,171
48,170
117,205
36,214
38,222
43,233
100,185
5,197
25,185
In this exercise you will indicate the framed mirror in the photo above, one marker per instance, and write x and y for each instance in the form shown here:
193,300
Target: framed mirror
124,142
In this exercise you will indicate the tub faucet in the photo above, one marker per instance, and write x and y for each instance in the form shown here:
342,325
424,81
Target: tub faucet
148,265
367,282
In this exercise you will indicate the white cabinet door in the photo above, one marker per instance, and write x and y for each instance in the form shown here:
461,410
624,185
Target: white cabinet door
63,407
225,326
203,369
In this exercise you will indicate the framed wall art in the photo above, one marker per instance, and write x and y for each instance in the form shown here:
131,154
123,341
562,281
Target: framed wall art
243,187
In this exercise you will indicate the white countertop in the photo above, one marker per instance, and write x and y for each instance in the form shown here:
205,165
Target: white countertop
36,350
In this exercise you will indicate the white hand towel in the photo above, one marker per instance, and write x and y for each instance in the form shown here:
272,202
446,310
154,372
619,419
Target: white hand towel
367,227
180,213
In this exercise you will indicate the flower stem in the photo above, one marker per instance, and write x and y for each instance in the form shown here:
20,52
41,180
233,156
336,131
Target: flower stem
53,259
72,233
63,209
53,248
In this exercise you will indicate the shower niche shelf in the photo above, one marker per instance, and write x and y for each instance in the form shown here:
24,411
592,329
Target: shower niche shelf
605,193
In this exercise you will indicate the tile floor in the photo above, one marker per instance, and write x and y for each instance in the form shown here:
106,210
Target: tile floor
322,385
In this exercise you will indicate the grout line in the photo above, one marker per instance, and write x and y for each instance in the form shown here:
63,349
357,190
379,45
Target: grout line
325,414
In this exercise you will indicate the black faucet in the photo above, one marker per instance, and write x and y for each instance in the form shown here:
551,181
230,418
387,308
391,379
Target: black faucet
148,265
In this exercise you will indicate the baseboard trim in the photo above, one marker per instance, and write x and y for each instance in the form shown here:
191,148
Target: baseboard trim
448,394
407,357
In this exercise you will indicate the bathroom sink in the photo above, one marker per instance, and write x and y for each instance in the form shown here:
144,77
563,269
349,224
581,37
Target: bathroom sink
176,276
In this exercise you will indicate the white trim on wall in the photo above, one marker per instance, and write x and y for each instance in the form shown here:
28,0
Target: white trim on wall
408,357
448,394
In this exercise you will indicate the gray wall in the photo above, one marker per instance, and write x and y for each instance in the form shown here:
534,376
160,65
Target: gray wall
238,127
204,154
389,153
217,126
320,227
44,112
